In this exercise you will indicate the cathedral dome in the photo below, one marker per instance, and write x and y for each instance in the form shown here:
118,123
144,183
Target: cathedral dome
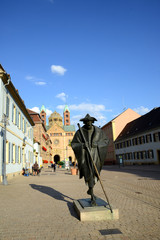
55,118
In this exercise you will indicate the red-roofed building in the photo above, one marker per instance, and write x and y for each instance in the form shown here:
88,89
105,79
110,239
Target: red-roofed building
41,136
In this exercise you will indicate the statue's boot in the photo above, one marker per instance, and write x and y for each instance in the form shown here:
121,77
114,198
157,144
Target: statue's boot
93,197
90,192
93,201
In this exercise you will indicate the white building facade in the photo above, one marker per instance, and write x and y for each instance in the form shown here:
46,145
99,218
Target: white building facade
16,139
139,142
37,157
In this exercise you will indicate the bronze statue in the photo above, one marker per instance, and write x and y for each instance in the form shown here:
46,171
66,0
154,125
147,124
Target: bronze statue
90,147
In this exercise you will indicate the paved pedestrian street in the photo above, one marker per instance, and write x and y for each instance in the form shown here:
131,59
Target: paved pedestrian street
41,207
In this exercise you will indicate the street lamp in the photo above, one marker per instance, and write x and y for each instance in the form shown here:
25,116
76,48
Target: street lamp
5,122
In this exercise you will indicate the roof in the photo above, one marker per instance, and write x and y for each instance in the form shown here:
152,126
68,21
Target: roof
55,114
36,117
15,94
43,108
128,109
66,108
144,123
70,128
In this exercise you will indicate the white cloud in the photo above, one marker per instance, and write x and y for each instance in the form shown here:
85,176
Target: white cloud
35,109
40,83
62,96
35,80
141,110
48,112
58,69
95,110
28,77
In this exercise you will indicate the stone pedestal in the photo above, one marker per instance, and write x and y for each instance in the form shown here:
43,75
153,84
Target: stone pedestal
86,212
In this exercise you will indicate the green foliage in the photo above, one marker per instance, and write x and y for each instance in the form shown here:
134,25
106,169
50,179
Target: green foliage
60,163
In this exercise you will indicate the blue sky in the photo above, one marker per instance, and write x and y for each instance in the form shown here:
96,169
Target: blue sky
97,56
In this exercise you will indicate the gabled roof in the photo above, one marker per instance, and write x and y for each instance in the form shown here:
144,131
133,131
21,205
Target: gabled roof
36,118
125,111
55,125
14,93
70,128
144,123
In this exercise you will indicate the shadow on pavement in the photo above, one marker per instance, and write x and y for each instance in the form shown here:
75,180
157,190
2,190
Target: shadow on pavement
55,194
152,172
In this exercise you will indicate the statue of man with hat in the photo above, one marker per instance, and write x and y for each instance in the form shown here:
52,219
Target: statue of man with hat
90,147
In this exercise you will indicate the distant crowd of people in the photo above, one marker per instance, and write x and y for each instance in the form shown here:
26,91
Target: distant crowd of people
36,169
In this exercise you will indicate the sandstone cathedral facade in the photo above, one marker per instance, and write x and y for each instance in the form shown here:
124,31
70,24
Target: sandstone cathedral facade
61,133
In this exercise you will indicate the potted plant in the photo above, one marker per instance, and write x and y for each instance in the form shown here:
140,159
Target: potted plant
74,170
60,163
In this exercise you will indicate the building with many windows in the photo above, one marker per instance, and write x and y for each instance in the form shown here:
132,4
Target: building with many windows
113,128
16,130
139,141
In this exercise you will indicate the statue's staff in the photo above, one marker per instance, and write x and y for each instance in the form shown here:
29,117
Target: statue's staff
94,165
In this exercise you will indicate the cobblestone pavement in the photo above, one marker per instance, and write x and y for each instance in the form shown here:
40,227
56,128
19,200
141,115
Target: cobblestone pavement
41,207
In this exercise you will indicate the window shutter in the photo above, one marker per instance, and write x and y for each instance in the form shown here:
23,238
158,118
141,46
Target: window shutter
24,126
7,106
12,112
21,123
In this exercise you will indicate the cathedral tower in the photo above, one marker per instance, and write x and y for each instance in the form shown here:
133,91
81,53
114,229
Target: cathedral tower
66,115
43,114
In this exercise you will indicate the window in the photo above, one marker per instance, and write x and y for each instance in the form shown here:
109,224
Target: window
116,146
136,141
156,137
143,139
150,154
7,152
7,106
23,124
19,154
133,141
13,153
148,138
140,140
16,154
14,115
19,120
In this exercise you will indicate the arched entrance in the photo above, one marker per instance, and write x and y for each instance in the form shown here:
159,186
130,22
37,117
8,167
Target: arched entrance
56,158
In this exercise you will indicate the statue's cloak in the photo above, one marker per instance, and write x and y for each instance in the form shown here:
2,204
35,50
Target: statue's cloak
97,142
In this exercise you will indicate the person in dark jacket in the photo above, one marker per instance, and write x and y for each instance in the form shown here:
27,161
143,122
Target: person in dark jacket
35,168
96,141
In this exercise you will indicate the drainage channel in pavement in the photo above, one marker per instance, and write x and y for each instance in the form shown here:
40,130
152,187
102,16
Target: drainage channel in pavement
110,231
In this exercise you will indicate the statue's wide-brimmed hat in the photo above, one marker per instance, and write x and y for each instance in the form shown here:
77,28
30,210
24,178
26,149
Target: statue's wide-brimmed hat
88,118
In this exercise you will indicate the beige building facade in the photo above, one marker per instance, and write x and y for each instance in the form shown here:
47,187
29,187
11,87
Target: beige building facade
113,128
